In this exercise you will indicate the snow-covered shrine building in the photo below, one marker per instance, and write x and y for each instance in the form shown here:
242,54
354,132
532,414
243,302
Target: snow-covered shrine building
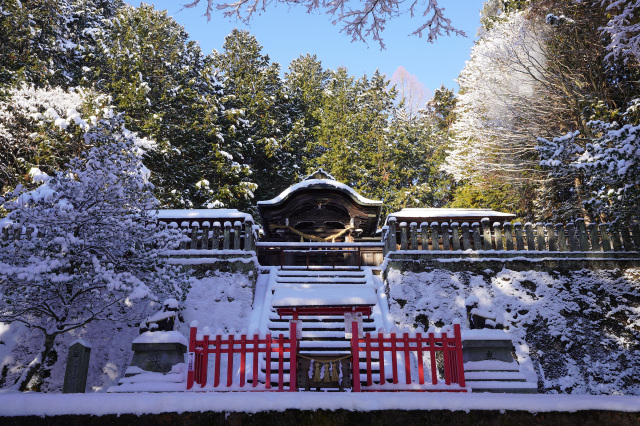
338,298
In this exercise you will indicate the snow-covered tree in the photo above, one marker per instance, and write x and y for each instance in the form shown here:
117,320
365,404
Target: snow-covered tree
44,128
360,21
623,28
89,249
608,167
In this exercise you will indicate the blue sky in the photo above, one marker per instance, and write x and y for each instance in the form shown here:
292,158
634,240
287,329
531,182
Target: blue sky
287,32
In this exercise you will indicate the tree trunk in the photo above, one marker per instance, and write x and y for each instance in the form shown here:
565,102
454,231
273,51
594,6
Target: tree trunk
32,377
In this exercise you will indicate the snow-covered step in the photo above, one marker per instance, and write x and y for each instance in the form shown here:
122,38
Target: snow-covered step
497,377
490,365
515,376
319,273
502,387
322,279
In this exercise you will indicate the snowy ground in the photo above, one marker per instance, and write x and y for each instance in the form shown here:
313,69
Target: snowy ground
111,342
102,404
577,333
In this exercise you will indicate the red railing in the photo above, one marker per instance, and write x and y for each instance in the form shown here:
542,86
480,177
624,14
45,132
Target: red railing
201,346
410,345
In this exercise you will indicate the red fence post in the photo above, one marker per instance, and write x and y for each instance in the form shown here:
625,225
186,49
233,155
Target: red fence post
243,358
394,358
293,351
420,360
407,360
367,338
460,366
230,361
445,355
204,361
383,378
280,363
355,355
191,356
432,356
256,356
216,370
268,361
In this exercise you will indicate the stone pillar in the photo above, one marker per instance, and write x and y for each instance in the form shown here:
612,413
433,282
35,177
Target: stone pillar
75,376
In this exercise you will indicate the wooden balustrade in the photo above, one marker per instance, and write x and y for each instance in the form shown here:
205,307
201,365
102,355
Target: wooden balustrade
484,236
205,236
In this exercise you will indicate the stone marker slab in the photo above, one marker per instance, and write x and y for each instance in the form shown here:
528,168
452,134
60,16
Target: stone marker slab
75,376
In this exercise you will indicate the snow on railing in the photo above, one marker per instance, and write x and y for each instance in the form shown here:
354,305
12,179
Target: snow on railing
402,357
253,352
200,236
572,237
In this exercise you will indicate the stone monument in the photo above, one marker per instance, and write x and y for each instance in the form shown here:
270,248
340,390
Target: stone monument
75,376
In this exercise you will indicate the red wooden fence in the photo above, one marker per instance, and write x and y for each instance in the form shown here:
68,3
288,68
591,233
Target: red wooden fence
406,344
199,350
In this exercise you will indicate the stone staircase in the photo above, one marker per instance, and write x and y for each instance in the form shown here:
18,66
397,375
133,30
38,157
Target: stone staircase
322,336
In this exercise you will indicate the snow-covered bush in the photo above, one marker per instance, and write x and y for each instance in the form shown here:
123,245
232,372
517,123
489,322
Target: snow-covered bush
89,249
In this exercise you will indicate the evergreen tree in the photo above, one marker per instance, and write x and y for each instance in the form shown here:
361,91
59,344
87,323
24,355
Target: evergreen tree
169,92
255,94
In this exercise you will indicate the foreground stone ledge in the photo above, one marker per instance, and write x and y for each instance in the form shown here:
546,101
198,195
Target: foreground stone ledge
341,417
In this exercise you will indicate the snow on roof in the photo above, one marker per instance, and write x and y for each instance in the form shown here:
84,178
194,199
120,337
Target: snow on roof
321,184
324,295
202,214
448,213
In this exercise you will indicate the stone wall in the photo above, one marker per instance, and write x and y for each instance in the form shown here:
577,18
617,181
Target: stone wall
575,323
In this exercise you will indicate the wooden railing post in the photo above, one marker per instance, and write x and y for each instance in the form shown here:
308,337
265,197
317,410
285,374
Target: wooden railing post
195,227
424,231
237,226
615,240
385,240
249,243
413,231
562,238
528,229
551,237
455,236
582,235
593,236
403,235
497,234
445,237
519,237
508,236
573,240
477,242
226,243
435,238
392,234
205,236
540,243
215,236
606,243
466,241
486,233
